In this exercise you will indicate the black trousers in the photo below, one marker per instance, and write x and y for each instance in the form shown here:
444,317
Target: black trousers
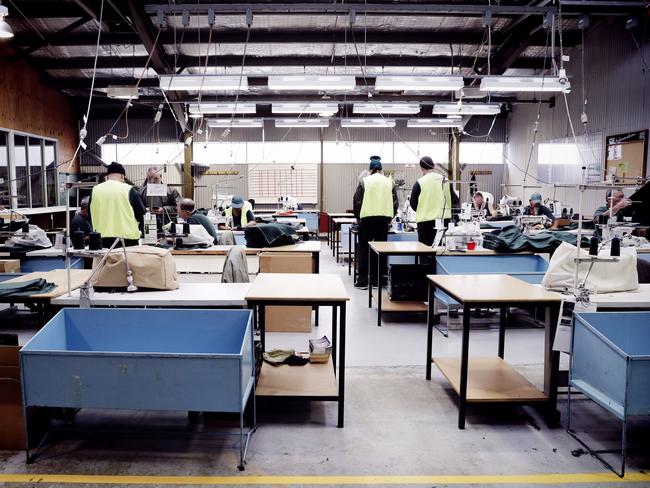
370,229
427,231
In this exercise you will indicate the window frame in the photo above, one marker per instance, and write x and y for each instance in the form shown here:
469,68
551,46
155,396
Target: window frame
11,152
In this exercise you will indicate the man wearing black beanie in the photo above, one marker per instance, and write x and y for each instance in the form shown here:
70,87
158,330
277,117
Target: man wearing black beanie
116,209
431,200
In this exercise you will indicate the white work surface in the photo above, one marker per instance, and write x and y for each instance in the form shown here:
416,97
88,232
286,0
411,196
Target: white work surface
624,299
192,263
186,295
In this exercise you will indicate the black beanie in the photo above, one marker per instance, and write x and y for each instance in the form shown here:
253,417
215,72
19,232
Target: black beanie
426,162
115,168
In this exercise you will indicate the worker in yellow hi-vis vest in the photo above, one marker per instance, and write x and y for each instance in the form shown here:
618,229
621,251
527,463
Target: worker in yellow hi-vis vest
375,205
116,209
431,198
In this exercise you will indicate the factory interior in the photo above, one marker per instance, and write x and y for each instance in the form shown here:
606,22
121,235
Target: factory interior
305,243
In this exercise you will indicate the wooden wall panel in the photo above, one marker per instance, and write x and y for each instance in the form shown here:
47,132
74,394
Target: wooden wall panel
28,104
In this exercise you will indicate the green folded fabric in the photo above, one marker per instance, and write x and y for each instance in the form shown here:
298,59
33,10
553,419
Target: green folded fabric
27,288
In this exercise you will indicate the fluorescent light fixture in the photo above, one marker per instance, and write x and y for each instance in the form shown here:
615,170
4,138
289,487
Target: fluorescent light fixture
305,108
368,123
420,83
221,108
203,83
507,84
302,122
122,92
428,123
454,116
5,29
312,82
236,123
466,108
386,108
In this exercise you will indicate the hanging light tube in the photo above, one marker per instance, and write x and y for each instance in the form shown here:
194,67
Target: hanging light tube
302,123
312,82
433,123
378,123
510,84
419,83
236,123
386,108
221,108
466,108
305,108
203,83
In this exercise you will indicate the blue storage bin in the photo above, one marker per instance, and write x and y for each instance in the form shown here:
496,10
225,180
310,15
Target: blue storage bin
610,364
610,360
402,237
33,264
199,360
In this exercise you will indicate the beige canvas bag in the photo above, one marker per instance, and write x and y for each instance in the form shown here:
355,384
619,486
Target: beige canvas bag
152,267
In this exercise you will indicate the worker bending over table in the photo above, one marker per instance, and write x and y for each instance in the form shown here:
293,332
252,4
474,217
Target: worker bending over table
431,199
187,211
81,221
163,207
482,206
239,214
535,207
116,209
375,204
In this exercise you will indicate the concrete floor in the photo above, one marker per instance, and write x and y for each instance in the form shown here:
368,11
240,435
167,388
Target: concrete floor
397,425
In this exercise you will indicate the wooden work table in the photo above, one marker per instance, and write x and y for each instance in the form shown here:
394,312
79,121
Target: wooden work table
491,379
312,381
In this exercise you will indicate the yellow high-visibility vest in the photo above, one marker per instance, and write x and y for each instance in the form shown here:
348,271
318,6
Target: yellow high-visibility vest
111,211
244,213
377,196
434,196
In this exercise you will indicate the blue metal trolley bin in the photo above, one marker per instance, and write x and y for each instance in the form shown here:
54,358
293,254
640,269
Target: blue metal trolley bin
610,364
143,359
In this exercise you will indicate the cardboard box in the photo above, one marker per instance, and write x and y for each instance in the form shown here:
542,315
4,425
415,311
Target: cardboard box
9,265
12,424
284,318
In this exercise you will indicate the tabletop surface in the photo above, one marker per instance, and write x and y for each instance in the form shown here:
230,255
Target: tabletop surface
298,287
405,247
341,214
186,295
344,220
639,298
306,246
493,288
59,278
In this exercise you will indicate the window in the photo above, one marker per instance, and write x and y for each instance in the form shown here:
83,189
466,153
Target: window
149,154
481,153
36,173
220,153
51,172
411,152
266,183
5,187
20,163
558,153
24,181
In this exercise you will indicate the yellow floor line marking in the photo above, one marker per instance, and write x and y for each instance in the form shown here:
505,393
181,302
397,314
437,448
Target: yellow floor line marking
532,479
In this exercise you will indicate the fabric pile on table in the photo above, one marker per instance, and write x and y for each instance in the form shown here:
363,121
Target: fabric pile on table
25,288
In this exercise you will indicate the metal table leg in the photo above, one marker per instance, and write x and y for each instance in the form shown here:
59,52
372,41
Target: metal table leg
341,364
380,282
430,318
502,331
349,251
464,360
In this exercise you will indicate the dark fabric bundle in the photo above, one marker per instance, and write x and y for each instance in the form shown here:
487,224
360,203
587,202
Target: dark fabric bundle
511,239
269,235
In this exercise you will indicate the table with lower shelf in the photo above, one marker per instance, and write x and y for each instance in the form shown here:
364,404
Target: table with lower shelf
316,382
383,248
491,379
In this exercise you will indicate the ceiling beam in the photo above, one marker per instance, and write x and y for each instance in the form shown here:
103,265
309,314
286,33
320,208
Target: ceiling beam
322,8
159,61
51,38
192,36
257,61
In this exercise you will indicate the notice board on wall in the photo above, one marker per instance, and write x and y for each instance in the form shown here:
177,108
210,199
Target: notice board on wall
626,155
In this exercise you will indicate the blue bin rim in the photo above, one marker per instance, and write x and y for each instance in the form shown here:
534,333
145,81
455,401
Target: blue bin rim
63,311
